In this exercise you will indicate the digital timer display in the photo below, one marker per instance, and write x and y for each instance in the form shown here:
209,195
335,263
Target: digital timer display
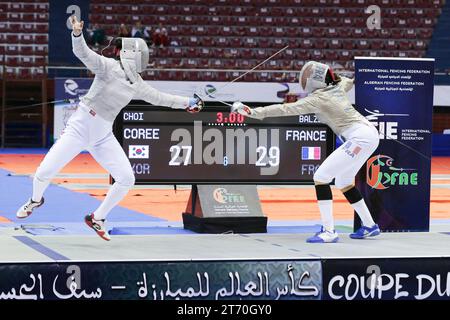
226,117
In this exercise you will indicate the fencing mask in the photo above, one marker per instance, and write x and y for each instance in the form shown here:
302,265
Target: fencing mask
134,57
313,75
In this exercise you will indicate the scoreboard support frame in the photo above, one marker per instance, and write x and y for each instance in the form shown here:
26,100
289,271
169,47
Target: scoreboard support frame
202,215
222,202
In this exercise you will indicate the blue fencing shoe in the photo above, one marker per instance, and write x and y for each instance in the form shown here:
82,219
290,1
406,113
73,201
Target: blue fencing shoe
324,236
366,232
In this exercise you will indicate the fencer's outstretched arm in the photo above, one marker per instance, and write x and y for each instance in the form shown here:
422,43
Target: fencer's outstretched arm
93,61
302,106
151,95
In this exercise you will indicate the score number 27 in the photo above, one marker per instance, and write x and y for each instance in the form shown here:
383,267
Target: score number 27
266,157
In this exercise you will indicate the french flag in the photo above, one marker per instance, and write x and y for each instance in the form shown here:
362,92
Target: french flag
310,153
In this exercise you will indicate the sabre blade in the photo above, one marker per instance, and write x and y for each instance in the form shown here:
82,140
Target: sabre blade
223,102
42,104
245,73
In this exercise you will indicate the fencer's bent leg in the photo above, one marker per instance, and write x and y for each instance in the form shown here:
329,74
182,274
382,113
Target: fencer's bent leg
110,155
368,141
356,200
64,150
353,195
322,178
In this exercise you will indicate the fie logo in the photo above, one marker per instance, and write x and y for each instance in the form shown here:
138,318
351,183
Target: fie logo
221,195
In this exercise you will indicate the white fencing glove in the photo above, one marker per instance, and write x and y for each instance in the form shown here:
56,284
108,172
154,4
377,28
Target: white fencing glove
77,26
196,104
241,108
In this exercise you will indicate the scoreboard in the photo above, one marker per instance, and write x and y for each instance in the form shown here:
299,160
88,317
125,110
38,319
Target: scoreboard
167,146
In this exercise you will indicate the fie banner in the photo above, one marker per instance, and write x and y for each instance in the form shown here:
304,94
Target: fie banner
396,95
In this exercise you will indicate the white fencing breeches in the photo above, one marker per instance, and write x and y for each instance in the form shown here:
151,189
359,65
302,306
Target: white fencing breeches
87,131
344,163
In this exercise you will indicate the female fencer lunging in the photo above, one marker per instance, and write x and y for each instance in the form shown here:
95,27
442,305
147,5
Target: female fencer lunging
328,101
117,81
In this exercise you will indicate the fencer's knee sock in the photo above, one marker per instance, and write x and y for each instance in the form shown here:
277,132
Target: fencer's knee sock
325,202
116,193
356,200
39,187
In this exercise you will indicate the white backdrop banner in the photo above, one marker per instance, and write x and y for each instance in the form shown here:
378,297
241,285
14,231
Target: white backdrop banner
260,92
237,91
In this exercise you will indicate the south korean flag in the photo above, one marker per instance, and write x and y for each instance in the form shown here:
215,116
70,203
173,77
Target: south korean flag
138,152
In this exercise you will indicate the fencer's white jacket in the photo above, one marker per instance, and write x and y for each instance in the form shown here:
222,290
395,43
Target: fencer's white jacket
111,91
330,105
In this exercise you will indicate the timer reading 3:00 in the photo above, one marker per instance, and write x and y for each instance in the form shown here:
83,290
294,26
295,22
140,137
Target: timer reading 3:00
231,118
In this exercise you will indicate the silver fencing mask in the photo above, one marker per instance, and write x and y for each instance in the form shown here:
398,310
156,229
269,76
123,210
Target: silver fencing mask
134,57
312,76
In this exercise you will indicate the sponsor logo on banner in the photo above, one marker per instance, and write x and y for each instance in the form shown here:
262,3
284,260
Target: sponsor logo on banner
387,129
138,152
71,87
209,90
352,149
382,174
282,93
374,115
310,153
221,195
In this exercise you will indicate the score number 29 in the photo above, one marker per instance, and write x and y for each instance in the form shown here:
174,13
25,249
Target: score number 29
265,156
271,157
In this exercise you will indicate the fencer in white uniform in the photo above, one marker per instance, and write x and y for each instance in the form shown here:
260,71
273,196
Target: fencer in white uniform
116,83
327,99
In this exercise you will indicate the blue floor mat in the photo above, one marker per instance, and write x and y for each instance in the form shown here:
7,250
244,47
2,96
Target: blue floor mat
293,229
26,151
61,205
148,230
180,230
23,150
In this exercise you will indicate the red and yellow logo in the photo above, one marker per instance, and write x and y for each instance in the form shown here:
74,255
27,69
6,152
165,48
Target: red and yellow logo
381,174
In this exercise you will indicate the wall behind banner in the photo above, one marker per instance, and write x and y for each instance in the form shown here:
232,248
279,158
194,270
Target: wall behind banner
60,43
268,92
396,95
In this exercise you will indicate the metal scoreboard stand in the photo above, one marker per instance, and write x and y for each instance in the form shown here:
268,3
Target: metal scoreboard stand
224,208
